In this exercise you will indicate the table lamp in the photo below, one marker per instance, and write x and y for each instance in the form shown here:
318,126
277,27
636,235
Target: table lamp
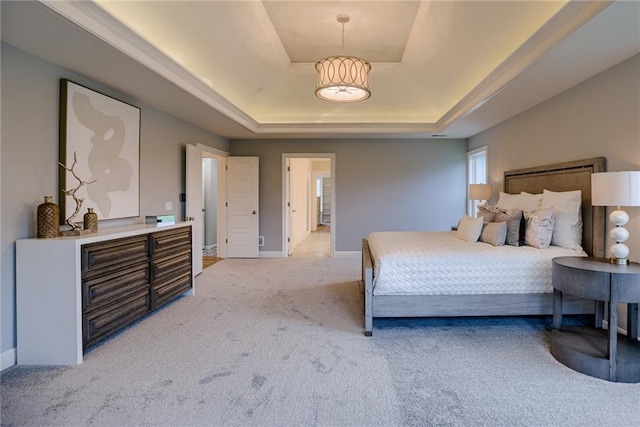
617,189
481,192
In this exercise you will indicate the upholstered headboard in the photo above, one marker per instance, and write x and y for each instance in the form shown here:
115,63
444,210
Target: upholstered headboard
565,177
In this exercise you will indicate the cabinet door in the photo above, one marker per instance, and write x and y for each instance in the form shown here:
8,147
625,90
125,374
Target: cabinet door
98,258
170,241
169,289
102,322
105,289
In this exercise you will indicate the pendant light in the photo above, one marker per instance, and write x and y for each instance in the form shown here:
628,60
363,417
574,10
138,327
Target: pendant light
343,78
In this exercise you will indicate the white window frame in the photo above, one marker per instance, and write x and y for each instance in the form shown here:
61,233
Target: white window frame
476,174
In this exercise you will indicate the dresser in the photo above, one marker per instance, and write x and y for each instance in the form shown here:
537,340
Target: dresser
72,292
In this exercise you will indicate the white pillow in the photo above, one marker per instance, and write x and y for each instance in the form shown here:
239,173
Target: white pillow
523,201
539,228
567,214
469,229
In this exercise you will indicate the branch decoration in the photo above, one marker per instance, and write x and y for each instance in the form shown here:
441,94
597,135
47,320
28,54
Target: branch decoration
72,192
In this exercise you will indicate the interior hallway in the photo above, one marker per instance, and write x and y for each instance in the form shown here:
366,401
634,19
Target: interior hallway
315,245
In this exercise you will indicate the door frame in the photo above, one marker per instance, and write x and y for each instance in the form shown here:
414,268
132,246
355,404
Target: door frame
285,197
221,226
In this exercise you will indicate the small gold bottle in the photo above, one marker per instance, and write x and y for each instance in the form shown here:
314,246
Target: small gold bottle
91,220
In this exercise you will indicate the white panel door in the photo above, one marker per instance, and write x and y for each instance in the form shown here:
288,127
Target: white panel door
242,207
193,205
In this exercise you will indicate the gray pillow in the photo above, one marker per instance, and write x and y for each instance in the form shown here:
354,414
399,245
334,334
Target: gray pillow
513,218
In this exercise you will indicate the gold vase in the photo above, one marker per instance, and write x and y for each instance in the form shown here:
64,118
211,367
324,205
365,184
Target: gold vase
48,219
91,220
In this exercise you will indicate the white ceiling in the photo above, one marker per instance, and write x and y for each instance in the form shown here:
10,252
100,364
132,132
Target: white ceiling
245,68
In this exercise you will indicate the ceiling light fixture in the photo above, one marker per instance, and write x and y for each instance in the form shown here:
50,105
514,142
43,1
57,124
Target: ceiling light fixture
343,78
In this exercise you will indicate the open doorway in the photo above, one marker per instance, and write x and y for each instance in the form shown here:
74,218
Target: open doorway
214,227
210,165
309,208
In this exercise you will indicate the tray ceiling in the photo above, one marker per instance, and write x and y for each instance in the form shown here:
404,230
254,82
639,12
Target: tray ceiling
434,63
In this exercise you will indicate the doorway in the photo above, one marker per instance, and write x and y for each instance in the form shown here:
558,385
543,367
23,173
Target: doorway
210,165
309,208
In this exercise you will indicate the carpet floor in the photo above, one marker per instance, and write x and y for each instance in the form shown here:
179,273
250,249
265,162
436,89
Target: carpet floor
279,342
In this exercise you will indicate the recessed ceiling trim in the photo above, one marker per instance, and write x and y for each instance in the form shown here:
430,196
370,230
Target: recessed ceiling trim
267,26
348,128
564,23
93,19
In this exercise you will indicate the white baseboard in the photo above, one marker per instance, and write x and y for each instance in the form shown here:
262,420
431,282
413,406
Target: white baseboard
348,254
270,254
214,246
8,359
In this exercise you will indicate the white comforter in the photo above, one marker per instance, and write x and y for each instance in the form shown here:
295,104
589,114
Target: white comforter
438,263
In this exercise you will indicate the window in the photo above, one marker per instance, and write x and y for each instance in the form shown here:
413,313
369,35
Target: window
476,174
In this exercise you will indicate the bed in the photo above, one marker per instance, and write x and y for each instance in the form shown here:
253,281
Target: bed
486,282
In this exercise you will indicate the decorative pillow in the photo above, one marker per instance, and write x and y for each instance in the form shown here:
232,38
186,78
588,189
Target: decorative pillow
567,214
513,218
523,201
494,233
469,229
539,228
487,213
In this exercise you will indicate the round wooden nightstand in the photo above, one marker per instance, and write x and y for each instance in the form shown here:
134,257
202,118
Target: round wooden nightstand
591,350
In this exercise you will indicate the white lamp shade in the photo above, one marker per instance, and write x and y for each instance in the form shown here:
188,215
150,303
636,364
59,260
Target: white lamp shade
480,191
615,188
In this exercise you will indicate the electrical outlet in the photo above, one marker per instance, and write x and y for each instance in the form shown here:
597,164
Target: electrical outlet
260,240
168,206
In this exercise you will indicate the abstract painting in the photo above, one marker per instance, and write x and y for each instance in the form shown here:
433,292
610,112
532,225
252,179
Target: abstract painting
103,133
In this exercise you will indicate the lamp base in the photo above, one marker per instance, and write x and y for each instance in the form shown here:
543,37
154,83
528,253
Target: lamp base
619,261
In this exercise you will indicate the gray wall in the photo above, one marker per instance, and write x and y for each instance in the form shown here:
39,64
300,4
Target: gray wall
599,117
29,156
379,184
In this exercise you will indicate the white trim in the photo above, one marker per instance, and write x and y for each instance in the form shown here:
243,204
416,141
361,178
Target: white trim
93,19
561,25
348,254
270,254
471,155
8,358
221,224
101,24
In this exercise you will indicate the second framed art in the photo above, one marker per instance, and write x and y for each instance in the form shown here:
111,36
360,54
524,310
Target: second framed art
100,137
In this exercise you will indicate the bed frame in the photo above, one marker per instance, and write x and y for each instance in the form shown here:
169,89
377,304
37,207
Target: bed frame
567,176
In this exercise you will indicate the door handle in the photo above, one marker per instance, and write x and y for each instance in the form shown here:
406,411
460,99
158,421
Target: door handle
254,212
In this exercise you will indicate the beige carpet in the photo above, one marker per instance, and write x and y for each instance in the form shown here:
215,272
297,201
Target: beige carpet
279,342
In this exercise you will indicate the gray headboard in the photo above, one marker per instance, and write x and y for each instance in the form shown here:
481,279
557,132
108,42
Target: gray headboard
567,176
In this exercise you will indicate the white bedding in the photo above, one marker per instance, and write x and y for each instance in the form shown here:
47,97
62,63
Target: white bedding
438,263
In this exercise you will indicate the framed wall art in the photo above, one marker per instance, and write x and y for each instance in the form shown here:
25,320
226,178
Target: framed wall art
102,135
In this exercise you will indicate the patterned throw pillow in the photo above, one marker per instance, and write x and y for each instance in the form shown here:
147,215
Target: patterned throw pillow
487,213
494,233
539,228
513,218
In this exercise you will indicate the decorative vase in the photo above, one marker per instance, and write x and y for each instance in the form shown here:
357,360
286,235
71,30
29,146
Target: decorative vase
91,220
48,219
